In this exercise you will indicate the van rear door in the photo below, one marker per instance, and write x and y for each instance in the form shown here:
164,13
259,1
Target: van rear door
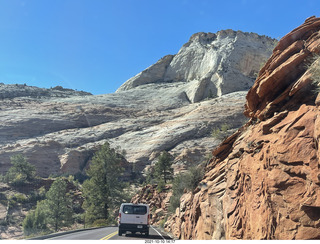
134,214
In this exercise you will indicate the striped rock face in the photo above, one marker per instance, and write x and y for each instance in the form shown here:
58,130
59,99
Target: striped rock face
264,181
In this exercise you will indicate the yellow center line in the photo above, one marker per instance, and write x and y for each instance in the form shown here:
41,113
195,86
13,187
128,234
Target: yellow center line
109,236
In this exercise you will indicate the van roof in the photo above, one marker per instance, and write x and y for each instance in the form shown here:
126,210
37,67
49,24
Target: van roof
141,204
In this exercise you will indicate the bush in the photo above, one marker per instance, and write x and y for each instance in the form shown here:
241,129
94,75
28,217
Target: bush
186,181
220,132
19,198
100,222
78,218
174,203
37,195
36,222
162,222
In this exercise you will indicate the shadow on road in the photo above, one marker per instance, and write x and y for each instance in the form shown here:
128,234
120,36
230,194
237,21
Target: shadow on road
140,236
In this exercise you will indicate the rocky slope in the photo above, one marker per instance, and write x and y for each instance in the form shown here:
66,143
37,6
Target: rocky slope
209,64
263,182
58,130
16,202
18,90
60,136
158,201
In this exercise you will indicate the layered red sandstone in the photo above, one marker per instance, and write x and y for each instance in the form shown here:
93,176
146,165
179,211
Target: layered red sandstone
264,181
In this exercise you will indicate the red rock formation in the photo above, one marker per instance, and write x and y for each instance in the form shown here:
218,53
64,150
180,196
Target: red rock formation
158,201
264,181
278,80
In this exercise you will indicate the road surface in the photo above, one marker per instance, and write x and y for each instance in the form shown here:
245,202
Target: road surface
111,233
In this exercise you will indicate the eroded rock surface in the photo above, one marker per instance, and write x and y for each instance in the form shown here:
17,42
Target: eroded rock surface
61,135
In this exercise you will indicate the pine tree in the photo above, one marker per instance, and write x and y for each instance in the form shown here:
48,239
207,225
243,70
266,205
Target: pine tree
103,190
163,169
21,171
58,203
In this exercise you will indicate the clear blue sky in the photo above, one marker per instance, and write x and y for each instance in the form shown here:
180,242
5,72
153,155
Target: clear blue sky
96,45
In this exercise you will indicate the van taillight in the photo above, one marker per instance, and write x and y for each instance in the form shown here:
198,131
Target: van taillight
148,219
119,217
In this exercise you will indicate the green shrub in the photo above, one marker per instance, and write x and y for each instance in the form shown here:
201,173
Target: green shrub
78,218
12,203
174,203
37,195
182,182
36,221
20,198
224,127
220,132
163,221
100,222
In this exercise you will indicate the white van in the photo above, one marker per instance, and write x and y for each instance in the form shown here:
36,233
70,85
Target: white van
134,218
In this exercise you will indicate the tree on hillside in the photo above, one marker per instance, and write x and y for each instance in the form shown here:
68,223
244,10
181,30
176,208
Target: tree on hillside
21,171
55,211
59,205
103,190
163,167
36,221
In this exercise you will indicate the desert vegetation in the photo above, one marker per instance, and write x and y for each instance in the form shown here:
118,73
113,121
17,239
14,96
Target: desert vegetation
21,172
184,182
66,202
221,131
103,191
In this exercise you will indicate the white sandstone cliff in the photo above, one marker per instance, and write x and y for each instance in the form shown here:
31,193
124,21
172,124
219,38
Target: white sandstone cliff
210,65
158,109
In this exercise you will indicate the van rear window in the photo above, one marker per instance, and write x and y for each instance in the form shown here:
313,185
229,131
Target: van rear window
129,209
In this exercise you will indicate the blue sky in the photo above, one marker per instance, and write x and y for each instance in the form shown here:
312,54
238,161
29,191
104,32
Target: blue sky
96,45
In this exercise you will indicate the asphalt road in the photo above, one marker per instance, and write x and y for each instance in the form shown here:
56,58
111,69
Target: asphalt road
111,233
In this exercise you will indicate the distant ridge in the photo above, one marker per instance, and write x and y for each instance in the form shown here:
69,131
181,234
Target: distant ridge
23,90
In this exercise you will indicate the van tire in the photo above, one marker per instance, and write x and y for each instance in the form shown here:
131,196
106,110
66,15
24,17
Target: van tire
120,233
147,234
